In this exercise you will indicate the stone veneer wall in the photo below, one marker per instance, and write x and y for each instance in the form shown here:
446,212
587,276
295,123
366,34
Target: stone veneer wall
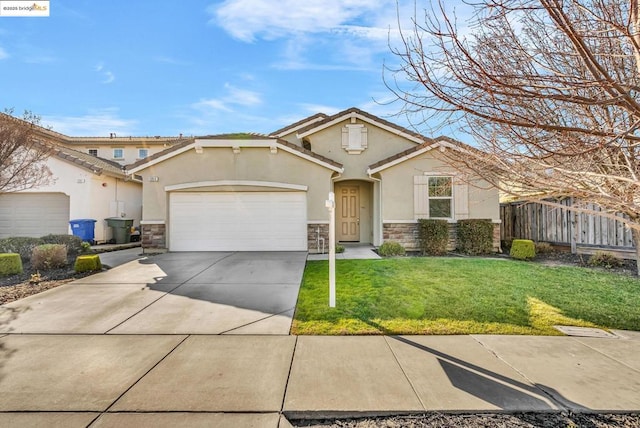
407,235
312,237
154,237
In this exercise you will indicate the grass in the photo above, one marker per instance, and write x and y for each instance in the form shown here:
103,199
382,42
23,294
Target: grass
462,296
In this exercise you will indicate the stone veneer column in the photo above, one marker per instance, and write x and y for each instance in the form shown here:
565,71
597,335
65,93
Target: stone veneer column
312,237
153,237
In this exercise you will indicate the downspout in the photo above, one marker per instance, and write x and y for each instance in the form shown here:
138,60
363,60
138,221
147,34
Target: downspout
379,225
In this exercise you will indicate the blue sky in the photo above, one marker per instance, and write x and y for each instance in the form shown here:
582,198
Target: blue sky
197,67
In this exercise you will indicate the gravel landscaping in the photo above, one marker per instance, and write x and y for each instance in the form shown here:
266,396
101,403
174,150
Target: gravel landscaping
517,420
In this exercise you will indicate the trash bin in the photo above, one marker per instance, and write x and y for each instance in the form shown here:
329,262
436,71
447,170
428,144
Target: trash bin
121,228
84,228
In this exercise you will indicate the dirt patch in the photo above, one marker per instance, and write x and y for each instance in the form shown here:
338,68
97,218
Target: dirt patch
444,420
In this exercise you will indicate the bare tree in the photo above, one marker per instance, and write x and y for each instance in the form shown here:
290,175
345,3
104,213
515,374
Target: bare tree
549,89
22,155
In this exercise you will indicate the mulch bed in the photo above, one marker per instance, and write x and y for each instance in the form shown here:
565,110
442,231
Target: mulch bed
16,287
517,420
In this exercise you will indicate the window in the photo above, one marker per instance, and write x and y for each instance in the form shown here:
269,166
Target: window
439,193
118,153
93,152
143,153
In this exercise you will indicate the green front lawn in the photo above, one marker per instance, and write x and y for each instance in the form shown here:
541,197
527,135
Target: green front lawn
416,295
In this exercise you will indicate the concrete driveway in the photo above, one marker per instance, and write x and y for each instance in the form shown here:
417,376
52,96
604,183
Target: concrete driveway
173,293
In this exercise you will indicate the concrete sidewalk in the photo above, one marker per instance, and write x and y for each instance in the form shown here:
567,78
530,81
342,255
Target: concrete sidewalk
215,380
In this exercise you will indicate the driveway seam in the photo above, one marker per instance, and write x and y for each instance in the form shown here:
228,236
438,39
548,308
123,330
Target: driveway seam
256,321
553,399
145,374
607,355
395,357
168,292
286,385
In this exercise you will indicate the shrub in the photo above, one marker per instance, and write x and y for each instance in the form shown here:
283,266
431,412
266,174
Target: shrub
49,256
73,243
433,236
339,248
86,248
10,264
605,259
391,248
543,248
88,263
20,244
522,249
475,236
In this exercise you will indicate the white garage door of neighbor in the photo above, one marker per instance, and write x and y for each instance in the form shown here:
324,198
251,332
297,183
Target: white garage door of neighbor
33,214
242,221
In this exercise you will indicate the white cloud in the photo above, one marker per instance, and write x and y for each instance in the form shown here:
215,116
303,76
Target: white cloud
107,75
234,96
325,35
170,60
3,54
95,123
248,19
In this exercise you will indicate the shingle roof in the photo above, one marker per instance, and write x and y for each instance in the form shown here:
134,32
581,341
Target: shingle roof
315,118
91,163
349,111
235,136
173,148
428,142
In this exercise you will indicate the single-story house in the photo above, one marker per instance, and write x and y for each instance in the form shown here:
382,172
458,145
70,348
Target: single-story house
82,187
243,192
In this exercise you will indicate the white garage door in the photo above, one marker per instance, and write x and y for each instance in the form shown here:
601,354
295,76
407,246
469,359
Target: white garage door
243,221
33,214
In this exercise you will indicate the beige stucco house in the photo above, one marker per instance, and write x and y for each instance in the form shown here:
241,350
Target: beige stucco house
244,192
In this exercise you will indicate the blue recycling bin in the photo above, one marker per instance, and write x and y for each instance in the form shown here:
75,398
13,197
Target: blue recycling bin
84,229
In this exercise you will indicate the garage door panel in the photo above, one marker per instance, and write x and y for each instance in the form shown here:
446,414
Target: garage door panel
245,221
33,214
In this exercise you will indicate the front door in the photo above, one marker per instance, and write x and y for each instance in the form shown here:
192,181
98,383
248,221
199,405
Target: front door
348,217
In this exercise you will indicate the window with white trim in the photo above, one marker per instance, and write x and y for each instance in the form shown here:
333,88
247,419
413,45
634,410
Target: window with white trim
434,197
143,153
93,152
440,195
118,153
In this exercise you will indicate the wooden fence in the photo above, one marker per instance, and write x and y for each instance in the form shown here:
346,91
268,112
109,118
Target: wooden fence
584,233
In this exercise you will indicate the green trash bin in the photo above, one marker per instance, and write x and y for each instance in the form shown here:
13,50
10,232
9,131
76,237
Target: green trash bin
121,228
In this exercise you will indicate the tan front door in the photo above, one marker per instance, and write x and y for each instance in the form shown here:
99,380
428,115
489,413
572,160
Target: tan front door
348,215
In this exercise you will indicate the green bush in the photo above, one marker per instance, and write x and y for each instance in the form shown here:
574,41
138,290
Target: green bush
339,248
20,244
10,264
605,259
391,248
49,256
88,263
85,248
522,249
475,237
433,236
73,243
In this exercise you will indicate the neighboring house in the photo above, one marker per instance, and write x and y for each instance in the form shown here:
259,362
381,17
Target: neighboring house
240,192
123,150
82,187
